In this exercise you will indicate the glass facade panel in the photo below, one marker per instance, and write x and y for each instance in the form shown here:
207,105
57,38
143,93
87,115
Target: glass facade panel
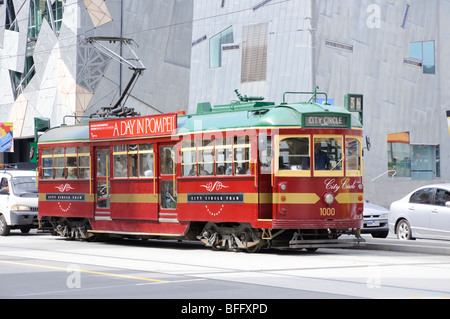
215,46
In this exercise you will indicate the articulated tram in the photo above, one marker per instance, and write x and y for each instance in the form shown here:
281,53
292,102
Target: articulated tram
243,176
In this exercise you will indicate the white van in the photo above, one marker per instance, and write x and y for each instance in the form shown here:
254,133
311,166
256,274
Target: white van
18,201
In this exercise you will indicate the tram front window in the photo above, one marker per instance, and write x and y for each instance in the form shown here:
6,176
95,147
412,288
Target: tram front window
294,154
328,153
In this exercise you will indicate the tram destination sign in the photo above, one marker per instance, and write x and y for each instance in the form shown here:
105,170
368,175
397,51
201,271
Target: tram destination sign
326,121
164,124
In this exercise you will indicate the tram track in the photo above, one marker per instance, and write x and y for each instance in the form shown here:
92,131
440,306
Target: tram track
339,272
224,270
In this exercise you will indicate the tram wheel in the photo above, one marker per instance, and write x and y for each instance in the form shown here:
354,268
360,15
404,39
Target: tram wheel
247,240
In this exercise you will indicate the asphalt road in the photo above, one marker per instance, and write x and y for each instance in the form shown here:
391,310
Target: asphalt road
39,266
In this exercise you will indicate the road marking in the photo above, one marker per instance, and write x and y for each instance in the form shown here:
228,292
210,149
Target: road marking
175,281
68,269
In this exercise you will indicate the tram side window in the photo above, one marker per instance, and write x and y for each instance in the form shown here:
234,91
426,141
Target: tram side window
71,163
242,156
294,154
84,161
47,163
66,163
188,158
328,153
224,156
219,156
145,160
132,160
352,154
120,167
206,157
58,163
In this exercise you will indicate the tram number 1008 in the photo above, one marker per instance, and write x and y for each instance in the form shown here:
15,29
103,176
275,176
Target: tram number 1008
327,211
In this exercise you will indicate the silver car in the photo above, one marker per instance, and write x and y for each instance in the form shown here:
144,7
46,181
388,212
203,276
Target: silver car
376,220
423,213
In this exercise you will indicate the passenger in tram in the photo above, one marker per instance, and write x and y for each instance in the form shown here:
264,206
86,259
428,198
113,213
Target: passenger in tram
321,159
71,173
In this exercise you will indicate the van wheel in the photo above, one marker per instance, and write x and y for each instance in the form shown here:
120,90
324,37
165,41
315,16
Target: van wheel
4,228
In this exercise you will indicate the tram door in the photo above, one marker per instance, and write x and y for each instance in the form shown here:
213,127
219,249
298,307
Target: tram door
167,183
102,185
265,187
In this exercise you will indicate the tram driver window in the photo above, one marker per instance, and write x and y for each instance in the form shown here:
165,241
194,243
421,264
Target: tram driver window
328,153
294,154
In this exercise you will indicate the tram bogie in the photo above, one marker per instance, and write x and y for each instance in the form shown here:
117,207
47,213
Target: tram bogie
258,175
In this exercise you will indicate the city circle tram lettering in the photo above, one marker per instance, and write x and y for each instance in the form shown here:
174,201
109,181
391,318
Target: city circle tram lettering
236,198
65,197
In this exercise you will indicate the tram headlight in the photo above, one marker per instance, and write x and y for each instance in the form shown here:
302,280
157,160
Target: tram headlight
328,198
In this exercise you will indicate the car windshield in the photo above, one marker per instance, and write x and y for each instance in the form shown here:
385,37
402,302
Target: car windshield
24,186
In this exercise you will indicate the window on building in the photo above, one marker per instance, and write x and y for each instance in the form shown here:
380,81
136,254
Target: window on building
399,155
405,16
11,22
420,162
215,46
424,51
21,80
254,53
39,10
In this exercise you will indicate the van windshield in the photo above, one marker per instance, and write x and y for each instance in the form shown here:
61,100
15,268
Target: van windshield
24,186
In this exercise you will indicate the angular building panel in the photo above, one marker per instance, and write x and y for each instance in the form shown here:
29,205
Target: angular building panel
53,73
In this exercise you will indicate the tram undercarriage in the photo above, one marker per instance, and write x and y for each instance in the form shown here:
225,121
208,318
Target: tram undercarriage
221,236
241,237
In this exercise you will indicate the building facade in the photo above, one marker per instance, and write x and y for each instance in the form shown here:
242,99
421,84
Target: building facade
49,70
392,52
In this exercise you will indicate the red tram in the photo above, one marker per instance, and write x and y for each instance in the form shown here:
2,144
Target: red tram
243,176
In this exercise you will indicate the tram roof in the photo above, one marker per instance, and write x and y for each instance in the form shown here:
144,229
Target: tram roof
240,115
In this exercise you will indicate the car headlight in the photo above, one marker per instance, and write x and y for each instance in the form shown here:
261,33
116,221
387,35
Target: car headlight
20,207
